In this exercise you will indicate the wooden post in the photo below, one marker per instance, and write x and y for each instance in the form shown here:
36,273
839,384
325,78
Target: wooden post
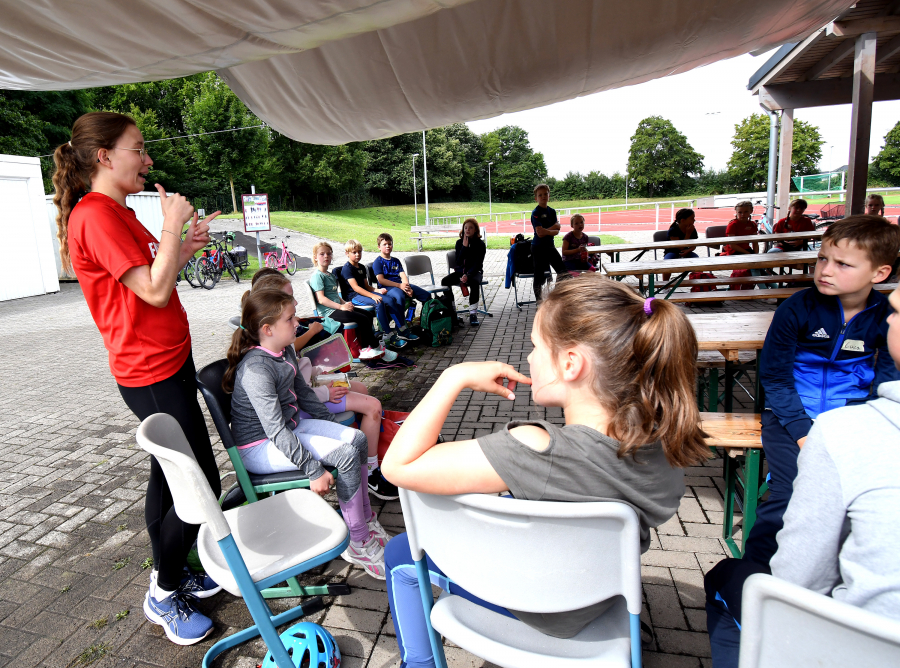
861,120
784,162
233,200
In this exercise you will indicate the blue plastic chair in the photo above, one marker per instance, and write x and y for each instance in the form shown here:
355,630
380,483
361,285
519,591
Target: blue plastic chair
568,556
241,548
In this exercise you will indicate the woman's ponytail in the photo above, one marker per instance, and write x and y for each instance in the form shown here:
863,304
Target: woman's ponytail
644,355
75,162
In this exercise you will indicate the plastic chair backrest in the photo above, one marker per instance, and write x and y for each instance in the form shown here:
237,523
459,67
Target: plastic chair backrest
662,235
234,322
373,279
595,551
312,296
209,380
783,624
451,260
343,285
161,436
716,231
416,265
595,241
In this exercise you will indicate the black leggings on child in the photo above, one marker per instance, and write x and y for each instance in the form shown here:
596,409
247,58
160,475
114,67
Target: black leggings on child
363,320
171,539
473,282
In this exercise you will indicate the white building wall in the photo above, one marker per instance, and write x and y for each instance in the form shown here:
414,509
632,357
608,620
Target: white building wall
27,268
146,208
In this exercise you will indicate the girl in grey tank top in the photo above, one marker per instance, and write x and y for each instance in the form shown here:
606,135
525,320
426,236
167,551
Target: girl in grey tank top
622,368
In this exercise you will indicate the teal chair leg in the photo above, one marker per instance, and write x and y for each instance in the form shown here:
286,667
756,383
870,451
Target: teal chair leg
437,648
635,640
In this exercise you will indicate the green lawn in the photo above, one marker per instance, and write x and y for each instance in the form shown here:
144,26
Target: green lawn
365,225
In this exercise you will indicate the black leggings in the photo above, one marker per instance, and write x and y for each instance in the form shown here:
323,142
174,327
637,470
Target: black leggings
544,258
363,320
473,282
170,538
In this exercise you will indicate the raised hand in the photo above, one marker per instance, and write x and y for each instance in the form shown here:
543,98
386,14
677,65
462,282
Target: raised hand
198,232
176,209
488,377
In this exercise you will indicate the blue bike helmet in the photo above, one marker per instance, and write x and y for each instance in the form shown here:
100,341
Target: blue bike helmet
309,646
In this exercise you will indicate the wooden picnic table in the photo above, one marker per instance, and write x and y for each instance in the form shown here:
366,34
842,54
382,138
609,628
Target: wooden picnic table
617,249
688,265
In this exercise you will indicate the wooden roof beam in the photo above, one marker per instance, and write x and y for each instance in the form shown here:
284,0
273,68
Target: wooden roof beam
842,51
888,50
825,92
860,26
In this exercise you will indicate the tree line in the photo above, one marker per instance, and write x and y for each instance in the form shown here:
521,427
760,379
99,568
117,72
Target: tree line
177,115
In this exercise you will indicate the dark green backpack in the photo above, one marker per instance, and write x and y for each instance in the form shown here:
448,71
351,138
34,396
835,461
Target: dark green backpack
437,322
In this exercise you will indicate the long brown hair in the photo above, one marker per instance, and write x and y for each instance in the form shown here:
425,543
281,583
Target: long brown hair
275,281
261,307
462,230
75,162
645,364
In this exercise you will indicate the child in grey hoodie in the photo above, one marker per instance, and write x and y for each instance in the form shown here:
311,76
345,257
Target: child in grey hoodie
270,400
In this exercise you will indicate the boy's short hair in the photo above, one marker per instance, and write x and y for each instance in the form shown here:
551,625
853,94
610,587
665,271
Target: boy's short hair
353,245
873,234
540,186
265,271
384,236
877,198
799,203
741,205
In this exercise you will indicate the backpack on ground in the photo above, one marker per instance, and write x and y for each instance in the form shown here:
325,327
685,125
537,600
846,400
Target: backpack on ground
437,323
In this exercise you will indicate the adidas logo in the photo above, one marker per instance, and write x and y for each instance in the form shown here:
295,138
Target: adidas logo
820,334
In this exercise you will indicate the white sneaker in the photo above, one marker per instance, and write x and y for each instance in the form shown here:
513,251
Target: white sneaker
370,353
378,532
370,556
389,355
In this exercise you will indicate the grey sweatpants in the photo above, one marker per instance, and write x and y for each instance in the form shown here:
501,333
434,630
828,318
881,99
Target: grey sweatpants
330,443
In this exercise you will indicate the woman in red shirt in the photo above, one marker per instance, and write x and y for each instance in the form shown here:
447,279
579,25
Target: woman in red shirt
128,279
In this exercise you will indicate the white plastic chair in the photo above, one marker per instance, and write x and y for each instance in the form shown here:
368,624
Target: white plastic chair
785,625
531,556
250,548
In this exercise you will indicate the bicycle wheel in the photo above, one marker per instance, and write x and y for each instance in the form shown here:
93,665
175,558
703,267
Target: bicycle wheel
205,273
229,265
190,271
291,263
271,261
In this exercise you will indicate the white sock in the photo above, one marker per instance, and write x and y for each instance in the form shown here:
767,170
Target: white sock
158,592
372,463
473,310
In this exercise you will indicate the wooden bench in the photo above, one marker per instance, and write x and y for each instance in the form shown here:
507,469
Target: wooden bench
744,295
740,437
747,280
439,232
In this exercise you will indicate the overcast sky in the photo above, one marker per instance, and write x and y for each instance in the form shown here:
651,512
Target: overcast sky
593,132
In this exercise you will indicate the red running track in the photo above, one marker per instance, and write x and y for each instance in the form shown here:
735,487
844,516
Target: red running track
642,220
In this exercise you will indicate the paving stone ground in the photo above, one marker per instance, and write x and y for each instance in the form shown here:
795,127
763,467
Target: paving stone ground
72,479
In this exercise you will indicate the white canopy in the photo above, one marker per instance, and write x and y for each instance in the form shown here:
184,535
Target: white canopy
333,71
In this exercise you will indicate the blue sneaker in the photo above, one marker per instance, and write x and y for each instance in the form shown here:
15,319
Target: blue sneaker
182,622
407,335
199,585
396,342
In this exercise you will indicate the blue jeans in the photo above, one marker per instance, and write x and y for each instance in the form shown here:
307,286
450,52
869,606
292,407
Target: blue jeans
395,302
675,256
724,586
406,602
380,310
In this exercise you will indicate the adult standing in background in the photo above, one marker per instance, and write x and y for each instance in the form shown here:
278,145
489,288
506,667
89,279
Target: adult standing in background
128,280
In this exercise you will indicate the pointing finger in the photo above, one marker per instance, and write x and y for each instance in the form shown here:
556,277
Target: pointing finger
162,191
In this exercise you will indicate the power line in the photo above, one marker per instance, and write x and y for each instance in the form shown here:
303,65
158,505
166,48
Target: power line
197,134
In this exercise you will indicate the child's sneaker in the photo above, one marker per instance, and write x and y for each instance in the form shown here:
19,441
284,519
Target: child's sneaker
377,531
199,585
395,341
182,622
369,555
407,334
381,488
369,353
389,355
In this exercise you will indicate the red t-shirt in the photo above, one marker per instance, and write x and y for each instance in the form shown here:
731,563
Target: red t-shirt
784,226
736,228
146,344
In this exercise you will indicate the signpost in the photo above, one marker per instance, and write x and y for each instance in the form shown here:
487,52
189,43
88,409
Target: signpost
256,217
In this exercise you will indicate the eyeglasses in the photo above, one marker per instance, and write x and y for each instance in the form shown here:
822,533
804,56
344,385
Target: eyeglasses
142,151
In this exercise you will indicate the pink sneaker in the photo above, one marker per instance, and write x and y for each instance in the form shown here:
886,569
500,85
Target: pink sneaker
370,556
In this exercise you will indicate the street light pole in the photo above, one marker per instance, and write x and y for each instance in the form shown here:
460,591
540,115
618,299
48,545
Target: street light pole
490,203
425,170
415,201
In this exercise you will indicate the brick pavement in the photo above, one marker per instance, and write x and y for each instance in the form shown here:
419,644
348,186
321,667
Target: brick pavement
72,537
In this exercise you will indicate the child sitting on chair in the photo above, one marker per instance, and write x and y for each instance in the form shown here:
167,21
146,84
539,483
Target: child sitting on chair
269,399
470,252
339,399
574,247
622,368
389,274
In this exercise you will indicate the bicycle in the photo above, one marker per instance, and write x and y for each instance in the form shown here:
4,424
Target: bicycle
213,263
284,260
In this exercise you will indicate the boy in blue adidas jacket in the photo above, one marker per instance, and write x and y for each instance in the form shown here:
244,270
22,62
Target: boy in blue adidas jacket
826,348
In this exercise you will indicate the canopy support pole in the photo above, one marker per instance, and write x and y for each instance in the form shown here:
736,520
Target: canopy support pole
773,162
861,121
785,155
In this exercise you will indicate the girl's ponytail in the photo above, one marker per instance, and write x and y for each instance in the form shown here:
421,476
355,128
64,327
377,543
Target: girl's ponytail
258,308
75,162
644,356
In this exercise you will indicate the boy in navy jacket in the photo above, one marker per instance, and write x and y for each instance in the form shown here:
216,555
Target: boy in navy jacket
826,348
